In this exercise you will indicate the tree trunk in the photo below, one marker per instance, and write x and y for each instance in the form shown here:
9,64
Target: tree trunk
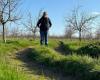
80,35
34,36
34,33
4,35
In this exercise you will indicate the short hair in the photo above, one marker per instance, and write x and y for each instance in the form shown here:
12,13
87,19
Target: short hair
44,13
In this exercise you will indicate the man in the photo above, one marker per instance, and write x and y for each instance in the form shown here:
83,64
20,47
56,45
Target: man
44,24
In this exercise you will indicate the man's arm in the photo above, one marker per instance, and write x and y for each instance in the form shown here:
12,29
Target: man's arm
50,23
38,23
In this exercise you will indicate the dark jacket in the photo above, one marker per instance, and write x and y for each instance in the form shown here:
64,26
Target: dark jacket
44,24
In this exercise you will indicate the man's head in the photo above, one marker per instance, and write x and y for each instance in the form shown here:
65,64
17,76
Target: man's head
45,14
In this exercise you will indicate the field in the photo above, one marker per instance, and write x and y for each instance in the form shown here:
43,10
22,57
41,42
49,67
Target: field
62,60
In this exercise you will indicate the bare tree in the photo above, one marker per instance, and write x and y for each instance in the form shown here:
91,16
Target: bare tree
87,35
7,13
80,21
69,32
98,33
15,32
31,24
6,31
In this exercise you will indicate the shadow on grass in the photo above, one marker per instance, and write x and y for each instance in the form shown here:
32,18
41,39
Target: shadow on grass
37,68
12,42
79,70
68,67
64,48
92,50
9,42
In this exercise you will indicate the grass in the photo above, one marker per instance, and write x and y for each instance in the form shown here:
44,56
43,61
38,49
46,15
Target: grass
11,71
91,49
82,67
7,72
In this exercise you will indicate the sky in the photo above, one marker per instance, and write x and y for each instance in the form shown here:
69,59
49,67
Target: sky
58,10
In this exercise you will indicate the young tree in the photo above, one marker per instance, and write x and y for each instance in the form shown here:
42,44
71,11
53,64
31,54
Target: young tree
79,21
31,25
88,35
69,32
98,33
7,13
15,32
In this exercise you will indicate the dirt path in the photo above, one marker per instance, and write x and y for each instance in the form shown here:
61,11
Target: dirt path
32,68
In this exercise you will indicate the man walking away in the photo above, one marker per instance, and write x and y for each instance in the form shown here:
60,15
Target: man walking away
44,24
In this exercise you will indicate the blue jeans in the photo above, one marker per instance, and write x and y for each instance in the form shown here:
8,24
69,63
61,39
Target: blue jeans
44,37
